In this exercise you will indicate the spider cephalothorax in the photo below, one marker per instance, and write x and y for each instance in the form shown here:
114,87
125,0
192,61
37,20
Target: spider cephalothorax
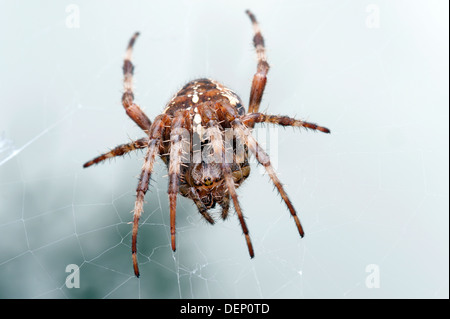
204,137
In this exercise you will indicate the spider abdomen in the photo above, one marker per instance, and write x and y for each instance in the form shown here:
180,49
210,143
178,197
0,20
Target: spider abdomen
201,91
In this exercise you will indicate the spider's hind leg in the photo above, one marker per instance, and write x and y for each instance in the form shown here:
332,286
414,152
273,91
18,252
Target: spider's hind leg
260,77
132,109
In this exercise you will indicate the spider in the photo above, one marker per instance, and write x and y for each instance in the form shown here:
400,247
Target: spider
196,121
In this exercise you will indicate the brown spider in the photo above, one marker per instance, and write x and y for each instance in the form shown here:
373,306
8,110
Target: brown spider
195,122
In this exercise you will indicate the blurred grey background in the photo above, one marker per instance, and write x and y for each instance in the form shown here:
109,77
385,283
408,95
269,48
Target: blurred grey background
373,195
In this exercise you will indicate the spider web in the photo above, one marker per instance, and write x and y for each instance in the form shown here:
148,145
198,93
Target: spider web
374,192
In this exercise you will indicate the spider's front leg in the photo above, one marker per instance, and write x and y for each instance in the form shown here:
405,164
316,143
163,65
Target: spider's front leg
179,129
214,134
245,135
155,133
209,119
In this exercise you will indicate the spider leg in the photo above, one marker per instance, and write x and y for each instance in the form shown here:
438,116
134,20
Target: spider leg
232,191
180,122
209,119
250,119
119,151
213,132
260,77
155,134
245,135
133,110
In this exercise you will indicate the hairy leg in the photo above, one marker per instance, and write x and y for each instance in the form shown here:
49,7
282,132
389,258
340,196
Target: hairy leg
232,192
133,110
250,119
120,150
260,77
144,179
180,122
244,134
209,119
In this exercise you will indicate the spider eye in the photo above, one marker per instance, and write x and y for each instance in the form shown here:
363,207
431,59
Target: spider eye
207,181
